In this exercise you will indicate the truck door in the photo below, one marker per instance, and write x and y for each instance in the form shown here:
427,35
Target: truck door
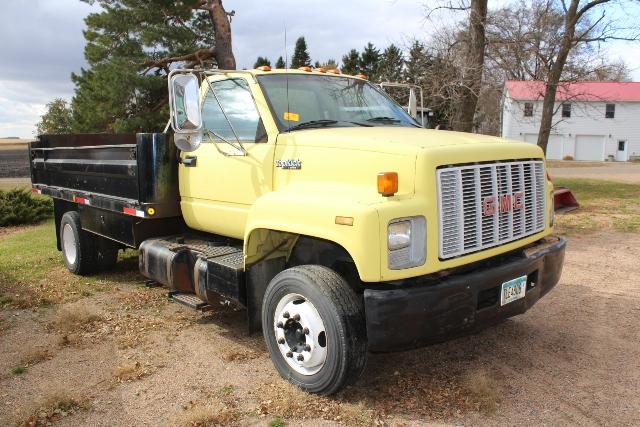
218,183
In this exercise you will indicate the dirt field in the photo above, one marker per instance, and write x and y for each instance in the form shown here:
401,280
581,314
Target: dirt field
609,171
110,351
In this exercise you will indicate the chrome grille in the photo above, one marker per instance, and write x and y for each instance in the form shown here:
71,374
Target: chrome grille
463,226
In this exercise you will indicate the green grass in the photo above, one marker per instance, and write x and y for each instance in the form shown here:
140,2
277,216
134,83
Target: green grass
276,422
19,370
603,205
30,254
32,272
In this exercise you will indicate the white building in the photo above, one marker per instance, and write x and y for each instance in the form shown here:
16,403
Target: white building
592,120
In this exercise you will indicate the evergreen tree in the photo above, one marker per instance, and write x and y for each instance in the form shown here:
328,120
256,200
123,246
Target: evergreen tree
131,46
262,61
300,56
57,118
351,62
417,63
391,64
280,63
370,61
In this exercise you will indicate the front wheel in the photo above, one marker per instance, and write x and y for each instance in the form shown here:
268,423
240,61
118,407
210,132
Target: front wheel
313,325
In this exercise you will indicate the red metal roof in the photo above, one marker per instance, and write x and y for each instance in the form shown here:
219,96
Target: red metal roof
531,90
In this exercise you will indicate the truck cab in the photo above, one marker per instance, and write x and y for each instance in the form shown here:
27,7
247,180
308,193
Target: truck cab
323,207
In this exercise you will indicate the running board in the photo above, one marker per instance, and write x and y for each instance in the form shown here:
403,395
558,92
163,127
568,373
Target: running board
190,300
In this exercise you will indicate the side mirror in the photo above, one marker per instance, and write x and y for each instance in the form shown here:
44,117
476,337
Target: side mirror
186,117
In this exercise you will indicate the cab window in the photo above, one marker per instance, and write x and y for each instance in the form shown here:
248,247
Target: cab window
235,97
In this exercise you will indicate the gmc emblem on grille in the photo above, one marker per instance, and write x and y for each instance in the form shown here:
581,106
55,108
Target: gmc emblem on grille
505,203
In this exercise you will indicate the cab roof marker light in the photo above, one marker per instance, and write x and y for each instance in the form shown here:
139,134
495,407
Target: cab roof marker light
264,68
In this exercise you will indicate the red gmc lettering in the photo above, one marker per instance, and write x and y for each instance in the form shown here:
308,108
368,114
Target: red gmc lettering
506,203
488,206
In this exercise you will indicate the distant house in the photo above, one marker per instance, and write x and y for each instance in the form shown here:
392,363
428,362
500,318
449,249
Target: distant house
592,120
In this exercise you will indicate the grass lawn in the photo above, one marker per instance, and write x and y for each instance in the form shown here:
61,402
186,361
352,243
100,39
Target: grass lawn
603,204
32,272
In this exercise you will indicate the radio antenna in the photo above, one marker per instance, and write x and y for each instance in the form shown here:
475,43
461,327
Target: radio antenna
286,77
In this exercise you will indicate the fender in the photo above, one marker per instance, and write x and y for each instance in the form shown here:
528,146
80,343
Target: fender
311,209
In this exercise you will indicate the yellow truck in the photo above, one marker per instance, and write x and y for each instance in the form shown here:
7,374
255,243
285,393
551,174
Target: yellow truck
316,202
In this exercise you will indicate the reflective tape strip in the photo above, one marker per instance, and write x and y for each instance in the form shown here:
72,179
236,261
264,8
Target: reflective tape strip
81,200
133,212
36,191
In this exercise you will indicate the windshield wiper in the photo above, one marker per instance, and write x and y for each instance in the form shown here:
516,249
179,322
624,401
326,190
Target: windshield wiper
385,119
313,123
323,123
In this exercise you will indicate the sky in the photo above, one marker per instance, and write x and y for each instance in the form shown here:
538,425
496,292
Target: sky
41,42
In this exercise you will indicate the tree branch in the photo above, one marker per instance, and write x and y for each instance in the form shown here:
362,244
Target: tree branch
199,55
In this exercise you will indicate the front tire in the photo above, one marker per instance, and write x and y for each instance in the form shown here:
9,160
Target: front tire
314,328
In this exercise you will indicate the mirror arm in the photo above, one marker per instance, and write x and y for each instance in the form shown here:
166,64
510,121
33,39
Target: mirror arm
240,147
211,133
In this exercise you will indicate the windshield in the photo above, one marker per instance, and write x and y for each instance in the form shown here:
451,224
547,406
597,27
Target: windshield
329,101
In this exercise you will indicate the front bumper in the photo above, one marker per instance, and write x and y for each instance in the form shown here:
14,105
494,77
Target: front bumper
427,310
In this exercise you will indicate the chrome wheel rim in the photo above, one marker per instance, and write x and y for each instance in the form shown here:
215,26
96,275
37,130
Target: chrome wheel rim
69,244
300,334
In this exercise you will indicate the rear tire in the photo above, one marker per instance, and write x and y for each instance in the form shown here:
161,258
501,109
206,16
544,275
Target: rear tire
313,324
85,253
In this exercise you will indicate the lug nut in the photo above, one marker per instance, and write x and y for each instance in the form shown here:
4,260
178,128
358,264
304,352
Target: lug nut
280,325
296,317
300,357
285,315
306,331
281,341
307,347
289,354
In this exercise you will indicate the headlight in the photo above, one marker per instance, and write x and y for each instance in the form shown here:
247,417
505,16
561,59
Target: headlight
399,235
406,239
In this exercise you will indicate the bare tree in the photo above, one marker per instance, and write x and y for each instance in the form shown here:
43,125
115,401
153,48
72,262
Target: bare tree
471,43
579,28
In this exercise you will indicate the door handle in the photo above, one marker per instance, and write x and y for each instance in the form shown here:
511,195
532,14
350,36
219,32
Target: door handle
189,161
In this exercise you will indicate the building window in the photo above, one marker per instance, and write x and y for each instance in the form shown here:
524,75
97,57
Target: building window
566,110
528,109
610,112
621,145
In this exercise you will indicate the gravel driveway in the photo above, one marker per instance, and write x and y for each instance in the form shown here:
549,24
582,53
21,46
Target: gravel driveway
571,360
609,171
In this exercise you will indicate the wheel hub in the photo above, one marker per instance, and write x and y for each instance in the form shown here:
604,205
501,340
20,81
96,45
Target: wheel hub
69,244
300,334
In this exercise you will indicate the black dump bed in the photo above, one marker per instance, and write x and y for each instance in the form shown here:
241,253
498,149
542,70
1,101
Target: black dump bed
121,175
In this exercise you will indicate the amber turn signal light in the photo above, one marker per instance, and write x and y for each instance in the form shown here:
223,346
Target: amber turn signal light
388,183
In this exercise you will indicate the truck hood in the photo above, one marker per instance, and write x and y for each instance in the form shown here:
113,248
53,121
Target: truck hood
340,159
392,140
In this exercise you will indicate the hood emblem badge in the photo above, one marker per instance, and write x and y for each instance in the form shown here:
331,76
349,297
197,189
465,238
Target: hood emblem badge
289,164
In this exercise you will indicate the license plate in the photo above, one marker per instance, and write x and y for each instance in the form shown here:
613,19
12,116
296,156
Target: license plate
513,290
